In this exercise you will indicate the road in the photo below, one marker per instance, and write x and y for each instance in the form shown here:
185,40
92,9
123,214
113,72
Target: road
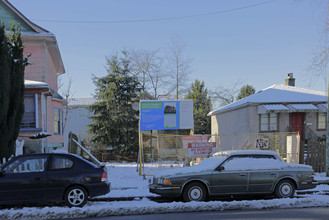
302,213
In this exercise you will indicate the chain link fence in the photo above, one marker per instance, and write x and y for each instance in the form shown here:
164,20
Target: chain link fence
163,151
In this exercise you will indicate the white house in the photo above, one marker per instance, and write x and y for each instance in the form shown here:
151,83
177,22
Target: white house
278,108
78,118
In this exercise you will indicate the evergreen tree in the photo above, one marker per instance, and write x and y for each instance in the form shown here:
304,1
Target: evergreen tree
115,121
245,91
201,107
12,67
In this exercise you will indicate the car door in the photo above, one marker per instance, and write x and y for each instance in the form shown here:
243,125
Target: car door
231,178
60,176
263,175
24,180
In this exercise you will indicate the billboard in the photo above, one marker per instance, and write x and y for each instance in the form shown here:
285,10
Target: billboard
161,115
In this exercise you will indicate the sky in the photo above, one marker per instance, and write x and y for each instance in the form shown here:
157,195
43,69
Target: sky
256,42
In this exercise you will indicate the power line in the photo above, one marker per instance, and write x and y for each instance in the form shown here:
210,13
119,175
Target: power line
158,19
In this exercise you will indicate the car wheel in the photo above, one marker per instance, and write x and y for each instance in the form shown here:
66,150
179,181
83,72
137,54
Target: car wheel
76,196
194,192
285,189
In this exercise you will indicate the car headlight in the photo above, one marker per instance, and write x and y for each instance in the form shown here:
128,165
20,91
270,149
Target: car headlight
165,181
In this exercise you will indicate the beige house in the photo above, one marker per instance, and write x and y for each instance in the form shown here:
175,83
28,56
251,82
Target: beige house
278,108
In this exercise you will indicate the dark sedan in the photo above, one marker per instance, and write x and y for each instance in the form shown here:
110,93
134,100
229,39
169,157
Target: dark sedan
235,173
52,177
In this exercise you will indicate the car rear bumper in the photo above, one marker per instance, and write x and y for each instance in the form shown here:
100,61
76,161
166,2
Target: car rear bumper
308,185
165,190
99,189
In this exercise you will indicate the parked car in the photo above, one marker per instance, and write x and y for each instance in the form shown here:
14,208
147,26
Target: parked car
51,177
241,172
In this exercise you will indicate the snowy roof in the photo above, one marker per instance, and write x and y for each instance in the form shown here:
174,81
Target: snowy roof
35,84
278,94
245,152
81,101
275,107
303,107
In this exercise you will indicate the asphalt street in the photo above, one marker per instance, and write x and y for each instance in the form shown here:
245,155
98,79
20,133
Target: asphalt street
268,214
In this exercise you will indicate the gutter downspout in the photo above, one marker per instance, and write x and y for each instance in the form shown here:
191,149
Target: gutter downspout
44,110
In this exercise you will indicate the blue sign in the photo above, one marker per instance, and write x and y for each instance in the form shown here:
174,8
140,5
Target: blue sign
161,115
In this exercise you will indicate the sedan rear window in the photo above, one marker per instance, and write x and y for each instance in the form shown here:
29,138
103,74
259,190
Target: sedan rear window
59,162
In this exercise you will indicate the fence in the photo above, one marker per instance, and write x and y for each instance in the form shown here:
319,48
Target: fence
285,143
170,150
314,153
160,151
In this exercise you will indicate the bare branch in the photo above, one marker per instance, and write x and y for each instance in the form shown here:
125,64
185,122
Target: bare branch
65,91
221,96
179,67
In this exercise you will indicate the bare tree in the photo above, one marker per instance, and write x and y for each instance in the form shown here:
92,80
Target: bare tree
65,91
148,68
179,67
319,64
221,96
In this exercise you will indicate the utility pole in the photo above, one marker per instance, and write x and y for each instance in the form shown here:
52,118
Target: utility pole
327,138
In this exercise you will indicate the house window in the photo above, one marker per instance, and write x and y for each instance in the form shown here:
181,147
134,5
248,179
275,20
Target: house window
269,122
29,117
57,121
322,119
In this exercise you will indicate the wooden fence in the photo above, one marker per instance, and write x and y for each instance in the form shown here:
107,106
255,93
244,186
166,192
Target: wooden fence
314,153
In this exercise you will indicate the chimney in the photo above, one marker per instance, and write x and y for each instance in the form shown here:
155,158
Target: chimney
290,81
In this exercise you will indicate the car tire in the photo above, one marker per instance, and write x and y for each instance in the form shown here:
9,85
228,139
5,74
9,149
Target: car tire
75,196
194,192
285,189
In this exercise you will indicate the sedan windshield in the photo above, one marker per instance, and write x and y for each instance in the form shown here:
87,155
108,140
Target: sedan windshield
206,165
210,163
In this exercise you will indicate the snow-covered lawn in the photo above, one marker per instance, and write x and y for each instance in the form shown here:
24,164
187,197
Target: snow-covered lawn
125,182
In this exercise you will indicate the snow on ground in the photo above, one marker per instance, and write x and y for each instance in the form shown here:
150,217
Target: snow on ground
125,182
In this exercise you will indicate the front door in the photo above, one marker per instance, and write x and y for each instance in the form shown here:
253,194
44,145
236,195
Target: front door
229,182
297,123
233,178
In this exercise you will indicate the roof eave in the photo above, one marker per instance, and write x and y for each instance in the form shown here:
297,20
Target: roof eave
51,42
35,27
230,109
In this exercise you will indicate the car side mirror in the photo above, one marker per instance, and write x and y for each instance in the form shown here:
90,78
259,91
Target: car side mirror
220,168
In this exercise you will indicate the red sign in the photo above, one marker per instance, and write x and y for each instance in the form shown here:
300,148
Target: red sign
201,149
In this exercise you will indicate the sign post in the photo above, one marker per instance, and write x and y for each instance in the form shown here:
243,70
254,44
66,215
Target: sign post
327,139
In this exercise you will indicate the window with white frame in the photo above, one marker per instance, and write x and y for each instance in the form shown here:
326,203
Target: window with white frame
322,119
57,121
29,117
269,122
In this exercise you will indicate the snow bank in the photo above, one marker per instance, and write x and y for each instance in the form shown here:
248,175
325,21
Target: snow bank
145,206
